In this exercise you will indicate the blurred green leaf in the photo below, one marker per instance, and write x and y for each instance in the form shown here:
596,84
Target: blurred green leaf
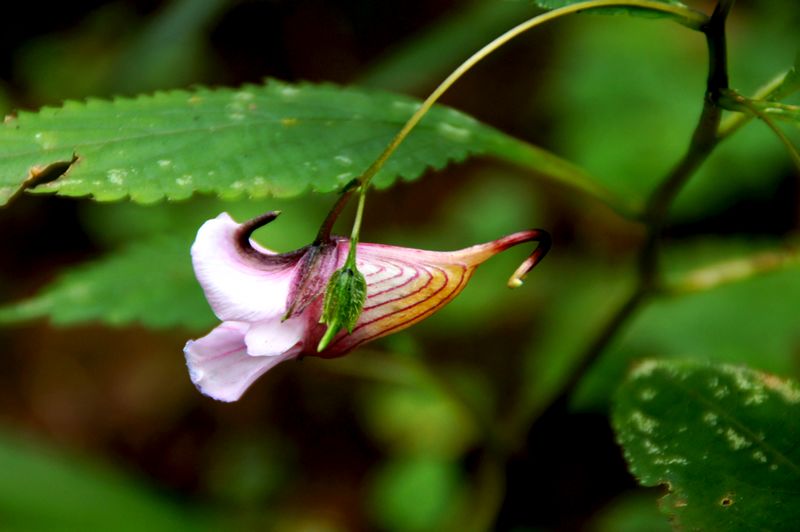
790,82
44,491
637,11
417,415
632,512
722,438
415,493
277,139
171,50
111,223
427,58
625,97
116,49
47,65
150,282
753,322
416,420
247,470
505,205
578,297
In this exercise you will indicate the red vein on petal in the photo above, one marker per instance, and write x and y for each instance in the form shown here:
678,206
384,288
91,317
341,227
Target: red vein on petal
420,302
415,276
376,272
422,315
399,273
395,287
227,353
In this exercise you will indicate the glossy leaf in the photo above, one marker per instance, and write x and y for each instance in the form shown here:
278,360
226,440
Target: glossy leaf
723,439
275,139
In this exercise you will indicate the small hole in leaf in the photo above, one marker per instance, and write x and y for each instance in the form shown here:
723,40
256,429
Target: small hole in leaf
726,501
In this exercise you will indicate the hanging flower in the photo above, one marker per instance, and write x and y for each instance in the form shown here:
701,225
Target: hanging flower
270,304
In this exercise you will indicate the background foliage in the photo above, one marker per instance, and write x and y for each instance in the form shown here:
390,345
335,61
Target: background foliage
101,426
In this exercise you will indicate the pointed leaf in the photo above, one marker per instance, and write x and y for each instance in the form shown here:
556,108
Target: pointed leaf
723,439
274,139
151,282
791,81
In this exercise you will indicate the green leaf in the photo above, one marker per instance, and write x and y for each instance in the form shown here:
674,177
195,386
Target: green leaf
171,47
427,57
125,286
579,294
274,139
406,411
118,50
415,493
791,81
723,439
150,282
41,490
636,11
752,322
627,99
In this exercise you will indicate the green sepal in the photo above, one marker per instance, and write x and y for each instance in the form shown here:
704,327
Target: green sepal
344,300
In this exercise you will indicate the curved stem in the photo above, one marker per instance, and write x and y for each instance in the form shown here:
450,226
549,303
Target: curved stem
325,229
359,215
772,89
704,139
740,103
686,16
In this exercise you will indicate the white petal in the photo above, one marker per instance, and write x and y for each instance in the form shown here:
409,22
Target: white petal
274,337
219,364
236,288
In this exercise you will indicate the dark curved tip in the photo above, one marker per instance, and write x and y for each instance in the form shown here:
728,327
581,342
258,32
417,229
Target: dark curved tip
544,242
246,230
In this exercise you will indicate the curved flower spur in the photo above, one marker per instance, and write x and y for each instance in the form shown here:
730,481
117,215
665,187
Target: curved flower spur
270,304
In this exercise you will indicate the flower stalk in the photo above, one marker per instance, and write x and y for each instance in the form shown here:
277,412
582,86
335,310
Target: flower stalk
684,15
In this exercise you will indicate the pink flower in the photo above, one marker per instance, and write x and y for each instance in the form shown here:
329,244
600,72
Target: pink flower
270,304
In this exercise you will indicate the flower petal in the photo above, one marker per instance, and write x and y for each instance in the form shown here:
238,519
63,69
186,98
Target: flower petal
219,364
237,288
274,337
404,286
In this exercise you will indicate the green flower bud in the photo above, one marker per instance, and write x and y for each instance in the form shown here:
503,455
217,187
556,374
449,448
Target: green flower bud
344,300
